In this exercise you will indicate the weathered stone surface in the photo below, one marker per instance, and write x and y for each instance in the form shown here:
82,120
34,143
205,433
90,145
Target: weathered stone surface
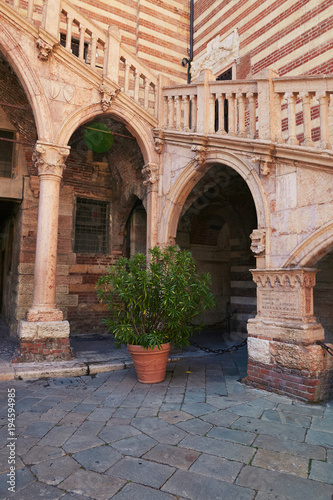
99,487
97,459
258,350
285,485
212,446
286,445
321,471
133,490
197,487
176,456
143,471
220,468
270,428
56,470
301,357
281,462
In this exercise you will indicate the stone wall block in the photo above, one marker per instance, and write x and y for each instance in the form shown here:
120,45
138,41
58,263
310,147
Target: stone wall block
258,350
300,357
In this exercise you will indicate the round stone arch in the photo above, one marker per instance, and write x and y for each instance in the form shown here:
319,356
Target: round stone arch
20,63
313,248
139,128
189,178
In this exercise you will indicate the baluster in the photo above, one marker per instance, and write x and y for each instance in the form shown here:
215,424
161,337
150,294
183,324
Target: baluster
241,114
194,112
127,70
171,112
186,113
252,114
69,33
211,123
278,117
146,96
221,129
81,41
292,139
136,84
231,114
178,111
30,9
323,98
306,100
93,50
165,111
155,101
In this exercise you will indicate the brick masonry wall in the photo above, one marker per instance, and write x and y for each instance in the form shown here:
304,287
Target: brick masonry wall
293,37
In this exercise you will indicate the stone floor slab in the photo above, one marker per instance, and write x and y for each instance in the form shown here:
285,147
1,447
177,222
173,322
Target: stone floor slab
97,459
195,426
93,485
38,490
56,470
234,436
198,409
285,485
292,447
270,428
320,438
109,434
220,468
321,471
281,462
142,471
134,446
139,492
196,487
176,456
39,454
219,448
322,424
223,418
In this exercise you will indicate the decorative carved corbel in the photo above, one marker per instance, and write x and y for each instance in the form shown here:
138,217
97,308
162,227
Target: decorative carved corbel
258,238
45,49
150,174
200,157
34,185
107,96
265,163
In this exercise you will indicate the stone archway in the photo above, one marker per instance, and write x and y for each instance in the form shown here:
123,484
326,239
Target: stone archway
189,178
215,224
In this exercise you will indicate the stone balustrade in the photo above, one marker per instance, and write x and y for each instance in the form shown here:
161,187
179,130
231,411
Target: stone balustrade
101,50
293,111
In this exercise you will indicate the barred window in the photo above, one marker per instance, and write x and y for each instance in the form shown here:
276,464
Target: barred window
91,226
6,153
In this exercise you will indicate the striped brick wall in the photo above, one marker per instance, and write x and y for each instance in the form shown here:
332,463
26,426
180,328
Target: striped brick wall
293,37
157,31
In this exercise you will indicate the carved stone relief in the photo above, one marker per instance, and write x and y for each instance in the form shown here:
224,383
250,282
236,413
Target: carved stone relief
107,96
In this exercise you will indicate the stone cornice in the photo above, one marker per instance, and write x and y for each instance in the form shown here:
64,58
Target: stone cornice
304,157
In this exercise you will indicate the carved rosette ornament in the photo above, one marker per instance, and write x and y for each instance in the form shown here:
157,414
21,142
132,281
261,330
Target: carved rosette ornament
50,159
107,96
258,239
200,157
45,49
150,174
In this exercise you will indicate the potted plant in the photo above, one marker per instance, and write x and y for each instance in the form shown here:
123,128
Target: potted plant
153,303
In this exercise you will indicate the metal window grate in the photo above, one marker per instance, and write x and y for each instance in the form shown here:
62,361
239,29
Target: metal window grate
6,153
91,226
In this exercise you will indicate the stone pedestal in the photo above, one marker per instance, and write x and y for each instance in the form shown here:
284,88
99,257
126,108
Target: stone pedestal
44,341
282,349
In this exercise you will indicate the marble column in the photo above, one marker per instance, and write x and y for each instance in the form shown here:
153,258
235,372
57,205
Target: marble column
44,323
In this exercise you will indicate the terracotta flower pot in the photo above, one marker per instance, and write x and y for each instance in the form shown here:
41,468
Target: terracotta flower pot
150,364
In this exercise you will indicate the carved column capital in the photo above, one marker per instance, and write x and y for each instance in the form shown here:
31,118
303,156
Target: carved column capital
50,159
107,96
150,174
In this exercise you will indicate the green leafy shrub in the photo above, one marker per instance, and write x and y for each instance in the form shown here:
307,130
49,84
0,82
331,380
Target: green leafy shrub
154,302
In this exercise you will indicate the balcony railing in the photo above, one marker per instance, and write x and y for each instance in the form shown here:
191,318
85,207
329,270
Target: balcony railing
101,50
294,111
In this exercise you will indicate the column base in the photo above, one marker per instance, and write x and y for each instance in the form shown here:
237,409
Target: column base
44,315
43,341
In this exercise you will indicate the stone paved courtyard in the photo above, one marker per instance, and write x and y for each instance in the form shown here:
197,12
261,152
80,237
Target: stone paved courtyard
201,434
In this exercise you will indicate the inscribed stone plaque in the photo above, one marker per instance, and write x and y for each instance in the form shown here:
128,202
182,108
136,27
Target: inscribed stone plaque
285,302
